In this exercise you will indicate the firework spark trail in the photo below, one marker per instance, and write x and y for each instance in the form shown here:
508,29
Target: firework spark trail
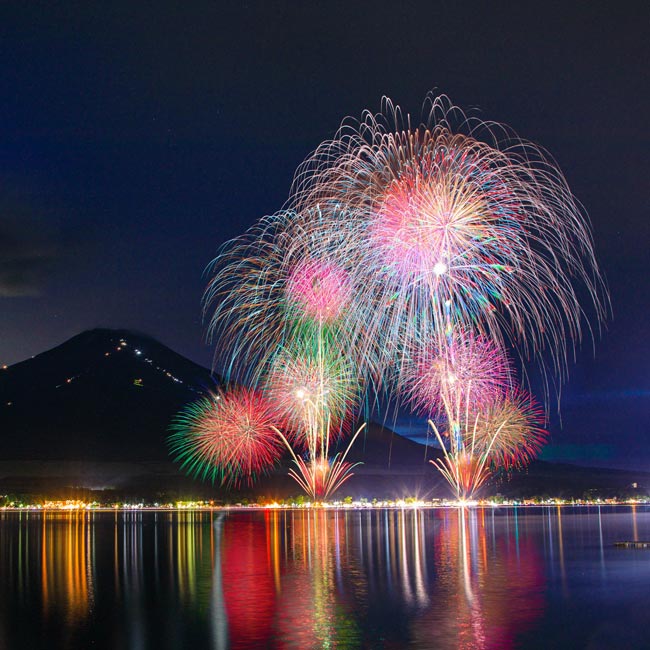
321,476
311,372
318,290
490,423
281,295
517,421
289,274
508,433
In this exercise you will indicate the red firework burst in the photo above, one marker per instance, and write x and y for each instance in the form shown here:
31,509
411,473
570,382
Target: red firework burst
227,436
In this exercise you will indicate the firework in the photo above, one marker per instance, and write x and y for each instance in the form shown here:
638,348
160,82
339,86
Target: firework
246,297
318,290
408,260
227,436
320,476
311,385
468,382
283,298
459,223
290,273
313,388
510,431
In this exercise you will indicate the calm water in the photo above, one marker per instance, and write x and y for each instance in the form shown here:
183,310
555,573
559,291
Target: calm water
504,578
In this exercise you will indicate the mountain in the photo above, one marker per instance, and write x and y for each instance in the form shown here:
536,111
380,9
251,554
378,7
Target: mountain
104,395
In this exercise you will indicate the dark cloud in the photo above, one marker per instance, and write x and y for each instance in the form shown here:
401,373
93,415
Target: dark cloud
29,253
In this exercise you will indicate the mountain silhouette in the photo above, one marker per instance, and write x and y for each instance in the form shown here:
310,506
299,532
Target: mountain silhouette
103,395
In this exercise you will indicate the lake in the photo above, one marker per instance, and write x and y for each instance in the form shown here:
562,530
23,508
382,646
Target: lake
546,577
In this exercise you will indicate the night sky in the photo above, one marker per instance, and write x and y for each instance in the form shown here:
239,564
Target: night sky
137,137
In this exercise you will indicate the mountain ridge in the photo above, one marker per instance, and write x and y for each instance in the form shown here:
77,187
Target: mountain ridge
100,393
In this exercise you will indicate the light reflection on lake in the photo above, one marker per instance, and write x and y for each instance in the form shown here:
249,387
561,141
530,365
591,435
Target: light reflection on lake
461,579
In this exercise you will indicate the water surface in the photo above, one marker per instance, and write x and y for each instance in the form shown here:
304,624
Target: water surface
481,578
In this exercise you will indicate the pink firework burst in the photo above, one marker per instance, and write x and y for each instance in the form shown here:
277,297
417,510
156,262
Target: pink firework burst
463,211
227,436
318,289
458,372
442,210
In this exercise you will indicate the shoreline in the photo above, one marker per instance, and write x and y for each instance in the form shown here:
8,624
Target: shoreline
336,506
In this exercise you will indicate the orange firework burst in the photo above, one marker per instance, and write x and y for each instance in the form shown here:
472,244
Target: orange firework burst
507,433
511,430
